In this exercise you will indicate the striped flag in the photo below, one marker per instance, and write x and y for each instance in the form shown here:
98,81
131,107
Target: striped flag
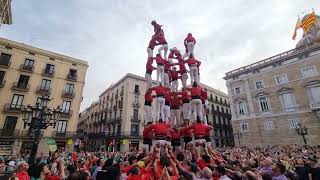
298,25
308,22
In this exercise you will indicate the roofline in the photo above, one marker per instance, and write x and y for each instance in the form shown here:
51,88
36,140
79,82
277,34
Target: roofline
292,53
128,75
214,89
32,49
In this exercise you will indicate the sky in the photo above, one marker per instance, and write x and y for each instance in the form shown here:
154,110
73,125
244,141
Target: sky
113,35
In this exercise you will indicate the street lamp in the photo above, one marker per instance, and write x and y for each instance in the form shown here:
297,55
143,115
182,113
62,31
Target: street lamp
302,130
38,118
238,135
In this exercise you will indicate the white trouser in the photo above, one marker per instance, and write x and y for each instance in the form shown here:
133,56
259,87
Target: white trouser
149,80
148,111
166,113
186,111
150,52
166,80
200,141
175,117
170,60
165,48
196,105
160,74
204,112
194,76
190,47
161,143
174,85
160,107
184,79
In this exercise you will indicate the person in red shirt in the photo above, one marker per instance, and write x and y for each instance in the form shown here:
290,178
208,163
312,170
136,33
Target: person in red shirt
199,131
161,40
152,43
160,132
175,110
174,54
174,75
160,91
148,98
175,137
196,103
147,137
22,171
189,43
204,97
156,27
160,68
135,174
149,69
167,68
167,104
183,72
193,67
184,95
186,133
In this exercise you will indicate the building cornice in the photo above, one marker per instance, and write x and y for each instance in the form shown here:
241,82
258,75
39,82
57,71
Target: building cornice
21,46
274,60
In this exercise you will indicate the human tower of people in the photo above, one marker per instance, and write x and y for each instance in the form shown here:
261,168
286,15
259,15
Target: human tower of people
192,99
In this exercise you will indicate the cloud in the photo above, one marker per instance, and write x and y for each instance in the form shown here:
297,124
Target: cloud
113,35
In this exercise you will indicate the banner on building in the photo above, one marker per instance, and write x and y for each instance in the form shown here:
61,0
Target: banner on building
52,145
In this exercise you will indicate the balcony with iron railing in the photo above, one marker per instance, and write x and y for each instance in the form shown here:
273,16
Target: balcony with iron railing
72,77
66,134
66,113
48,73
43,90
136,119
2,83
26,68
136,104
124,134
315,106
68,94
5,65
9,133
137,92
12,108
20,87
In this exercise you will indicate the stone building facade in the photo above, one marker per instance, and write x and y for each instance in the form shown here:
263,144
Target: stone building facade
270,98
27,73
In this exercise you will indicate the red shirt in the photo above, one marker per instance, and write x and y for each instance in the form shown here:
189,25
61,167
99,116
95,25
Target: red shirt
184,95
152,44
134,177
192,61
161,39
147,132
174,75
167,96
149,66
202,164
182,67
148,97
160,90
204,95
160,128
174,134
186,132
199,129
49,177
175,102
190,39
160,60
167,66
195,91
157,28
22,175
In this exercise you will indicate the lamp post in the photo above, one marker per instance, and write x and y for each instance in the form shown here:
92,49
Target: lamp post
303,131
38,118
238,135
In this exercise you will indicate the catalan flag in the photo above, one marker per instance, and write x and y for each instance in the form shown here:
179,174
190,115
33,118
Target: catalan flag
298,25
308,22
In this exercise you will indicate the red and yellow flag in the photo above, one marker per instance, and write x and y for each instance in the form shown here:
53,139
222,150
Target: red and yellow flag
298,25
309,21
